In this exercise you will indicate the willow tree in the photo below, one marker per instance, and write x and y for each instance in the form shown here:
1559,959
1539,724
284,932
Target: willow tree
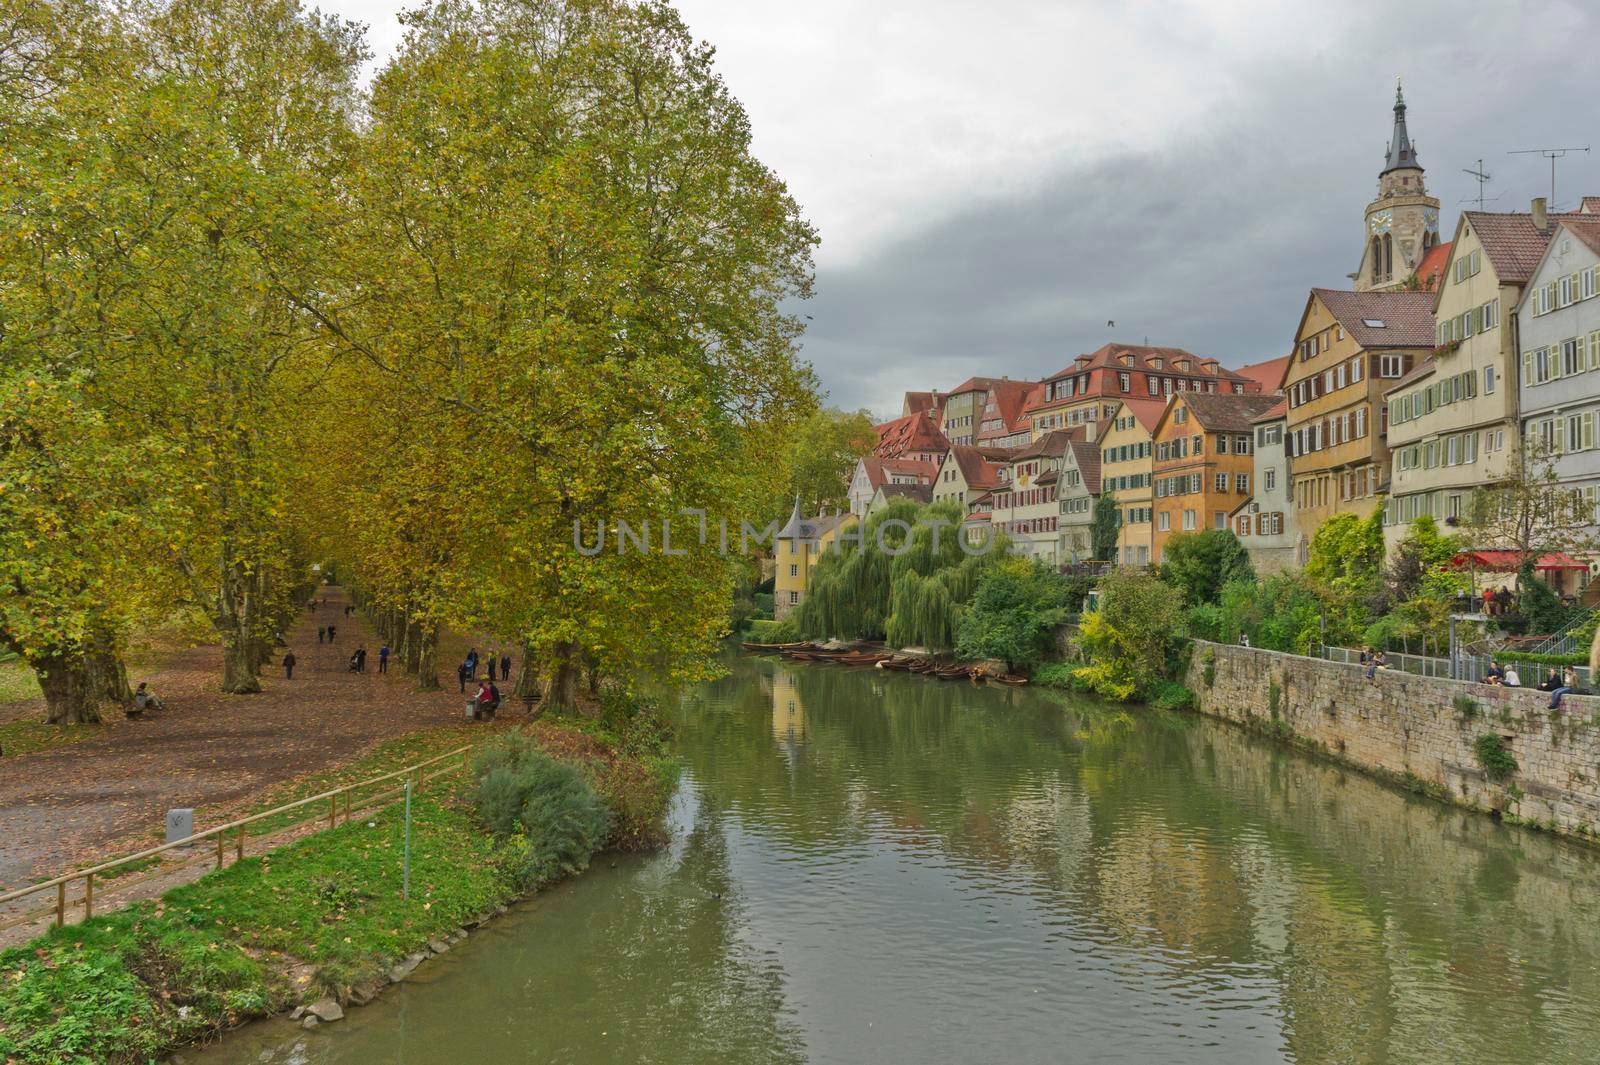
934,578
563,243
849,590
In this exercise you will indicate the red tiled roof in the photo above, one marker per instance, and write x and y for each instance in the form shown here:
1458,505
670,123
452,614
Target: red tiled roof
1268,374
980,468
1431,268
1009,399
1034,398
1513,244
1110,357
1590,205
880,471
1278,410
1587,230
917,403
1148,411
921,493
1051,443
1405,319
912,432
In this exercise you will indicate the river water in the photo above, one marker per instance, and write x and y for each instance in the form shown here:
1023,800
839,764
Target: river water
871,867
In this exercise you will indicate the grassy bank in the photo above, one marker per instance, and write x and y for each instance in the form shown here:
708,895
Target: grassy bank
324,915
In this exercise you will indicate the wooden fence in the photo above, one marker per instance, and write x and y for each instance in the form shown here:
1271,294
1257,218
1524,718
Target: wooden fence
417,775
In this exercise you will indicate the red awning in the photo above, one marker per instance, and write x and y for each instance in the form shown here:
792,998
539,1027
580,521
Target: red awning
1511,561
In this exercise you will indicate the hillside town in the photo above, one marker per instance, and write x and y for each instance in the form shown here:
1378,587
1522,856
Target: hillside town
1439,367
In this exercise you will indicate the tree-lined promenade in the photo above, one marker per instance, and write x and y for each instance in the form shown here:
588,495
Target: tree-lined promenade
254,315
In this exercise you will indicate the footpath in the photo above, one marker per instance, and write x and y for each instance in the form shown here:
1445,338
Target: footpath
66,807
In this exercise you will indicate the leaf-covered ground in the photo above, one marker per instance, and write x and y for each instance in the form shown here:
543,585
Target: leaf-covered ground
71,795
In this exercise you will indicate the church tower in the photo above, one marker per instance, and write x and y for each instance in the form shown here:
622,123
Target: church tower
1403,222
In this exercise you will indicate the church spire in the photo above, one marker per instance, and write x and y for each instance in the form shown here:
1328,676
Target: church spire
1401,154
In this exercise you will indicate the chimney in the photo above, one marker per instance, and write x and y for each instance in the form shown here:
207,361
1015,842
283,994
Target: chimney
1541,219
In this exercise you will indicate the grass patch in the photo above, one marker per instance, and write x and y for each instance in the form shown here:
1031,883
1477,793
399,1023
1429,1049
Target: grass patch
1493,757
133,985
385,758
28,737
17,682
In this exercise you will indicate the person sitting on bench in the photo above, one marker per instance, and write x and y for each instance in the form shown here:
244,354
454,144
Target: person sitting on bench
486,702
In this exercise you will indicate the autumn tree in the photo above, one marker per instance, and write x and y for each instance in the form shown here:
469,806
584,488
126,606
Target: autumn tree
822,453
1529,511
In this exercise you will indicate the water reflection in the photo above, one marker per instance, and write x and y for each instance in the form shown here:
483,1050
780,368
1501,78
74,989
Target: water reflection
877,867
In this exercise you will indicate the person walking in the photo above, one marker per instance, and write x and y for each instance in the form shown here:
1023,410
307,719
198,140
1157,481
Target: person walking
330,633
494,661
472,664
361,658
505,666
461,675
288,666
383,659
322,633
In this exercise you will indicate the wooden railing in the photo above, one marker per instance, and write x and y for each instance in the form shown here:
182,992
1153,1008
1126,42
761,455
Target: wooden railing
417,775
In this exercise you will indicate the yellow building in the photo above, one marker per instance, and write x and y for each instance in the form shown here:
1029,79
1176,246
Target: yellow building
795,549
1127,459
1349,348
788,713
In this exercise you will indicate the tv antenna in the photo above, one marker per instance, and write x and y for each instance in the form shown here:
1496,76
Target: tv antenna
1551,154
1483,177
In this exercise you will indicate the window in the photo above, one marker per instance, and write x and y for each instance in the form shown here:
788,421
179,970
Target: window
794,597
1392,366
794,571
1220,519
1125,382
1270,478
1188,521
1180,415
1488,380
1241,483
1361,422
1164,521
1220,482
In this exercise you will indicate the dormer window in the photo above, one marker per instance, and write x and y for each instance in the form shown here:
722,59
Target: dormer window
1155,364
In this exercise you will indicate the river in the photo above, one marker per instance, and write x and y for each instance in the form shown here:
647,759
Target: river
872,867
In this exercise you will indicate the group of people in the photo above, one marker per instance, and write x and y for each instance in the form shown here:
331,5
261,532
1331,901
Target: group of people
1374,661
328,631
468,669
1502,676
1498,601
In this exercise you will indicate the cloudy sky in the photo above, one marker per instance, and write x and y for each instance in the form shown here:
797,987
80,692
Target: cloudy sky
995,180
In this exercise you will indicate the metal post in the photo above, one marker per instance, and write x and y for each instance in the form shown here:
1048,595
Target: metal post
405,882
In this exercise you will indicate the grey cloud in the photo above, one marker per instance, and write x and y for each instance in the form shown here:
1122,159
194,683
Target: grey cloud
1209,243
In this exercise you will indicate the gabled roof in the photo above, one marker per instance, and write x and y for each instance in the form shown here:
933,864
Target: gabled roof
1034,398
980,467
911,432
1382,319
881,471
1148,411
1589,205
1586,230
1051,444
1278,410
1512,243
1269,374
1087,456
1431,269
1225,412
918,403
1139,356
981,384
1009,399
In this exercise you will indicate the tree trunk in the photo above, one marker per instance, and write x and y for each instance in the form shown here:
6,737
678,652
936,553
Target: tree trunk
561,693
527,677
72,692
236,620
427,667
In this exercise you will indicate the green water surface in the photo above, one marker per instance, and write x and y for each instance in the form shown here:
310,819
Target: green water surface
872,867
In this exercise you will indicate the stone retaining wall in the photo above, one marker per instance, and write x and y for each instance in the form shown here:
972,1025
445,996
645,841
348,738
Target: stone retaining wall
1418,731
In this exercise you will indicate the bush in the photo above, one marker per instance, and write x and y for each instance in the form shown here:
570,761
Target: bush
1493,757
764,631
1199,564
1172,696
1131,638
550,813
1059,675
1015,612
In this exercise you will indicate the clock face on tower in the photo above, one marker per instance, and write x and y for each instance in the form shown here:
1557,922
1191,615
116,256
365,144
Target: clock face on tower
1381,221
1430,221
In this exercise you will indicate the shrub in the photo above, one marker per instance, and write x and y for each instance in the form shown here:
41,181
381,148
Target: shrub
552,817
1492,756
763,630
1172,696
1466,706
1199,564
1130,639
1059,675
1015,612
